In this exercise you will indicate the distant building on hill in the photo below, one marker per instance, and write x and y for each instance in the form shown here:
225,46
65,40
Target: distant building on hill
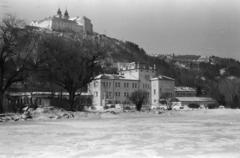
63,23
204,59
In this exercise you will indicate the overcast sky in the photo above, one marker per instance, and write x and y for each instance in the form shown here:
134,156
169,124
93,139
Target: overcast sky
201,27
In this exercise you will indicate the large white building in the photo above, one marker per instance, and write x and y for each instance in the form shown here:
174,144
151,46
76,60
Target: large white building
64,23
113,89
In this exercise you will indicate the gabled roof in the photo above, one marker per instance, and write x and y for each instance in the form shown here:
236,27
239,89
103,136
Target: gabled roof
193,99
160,77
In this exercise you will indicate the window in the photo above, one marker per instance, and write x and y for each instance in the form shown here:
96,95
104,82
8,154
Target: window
116,94
134,85
127,84
95,84
119,94
106,84
118,84
110,84
125,94
103,84
96,94
154,91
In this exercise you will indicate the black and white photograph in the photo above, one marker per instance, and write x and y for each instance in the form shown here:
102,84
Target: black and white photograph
119,78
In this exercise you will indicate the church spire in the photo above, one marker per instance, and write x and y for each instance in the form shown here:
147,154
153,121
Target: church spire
59,13
66,16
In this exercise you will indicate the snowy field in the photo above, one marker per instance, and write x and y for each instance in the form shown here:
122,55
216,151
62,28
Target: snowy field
172,134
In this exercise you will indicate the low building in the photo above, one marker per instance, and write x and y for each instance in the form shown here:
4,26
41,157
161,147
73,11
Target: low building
16,100
202,101
185,92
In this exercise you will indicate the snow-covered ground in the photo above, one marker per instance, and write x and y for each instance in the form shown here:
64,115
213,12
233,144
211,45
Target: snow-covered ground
174,134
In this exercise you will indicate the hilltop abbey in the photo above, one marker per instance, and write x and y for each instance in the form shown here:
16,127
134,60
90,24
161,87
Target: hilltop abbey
64,23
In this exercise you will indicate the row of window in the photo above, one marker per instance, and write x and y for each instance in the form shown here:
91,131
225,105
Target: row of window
109,94
118,84
119,102
117,94
185,94
66,24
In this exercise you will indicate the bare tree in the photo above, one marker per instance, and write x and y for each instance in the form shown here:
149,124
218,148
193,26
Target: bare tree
70,62
139,97
16,46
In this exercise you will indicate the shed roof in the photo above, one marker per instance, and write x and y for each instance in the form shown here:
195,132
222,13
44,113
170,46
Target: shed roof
193,99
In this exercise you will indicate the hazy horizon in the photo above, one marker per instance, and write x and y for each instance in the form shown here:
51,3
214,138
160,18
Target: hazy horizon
198,27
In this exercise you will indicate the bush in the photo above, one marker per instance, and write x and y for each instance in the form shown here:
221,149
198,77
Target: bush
194,106
212,106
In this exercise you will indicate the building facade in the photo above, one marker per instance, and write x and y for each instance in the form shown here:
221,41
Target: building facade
114,89
162,87
63,23
185,92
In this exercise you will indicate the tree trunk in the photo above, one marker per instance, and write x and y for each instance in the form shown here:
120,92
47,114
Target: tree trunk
139,107
1,103
71,100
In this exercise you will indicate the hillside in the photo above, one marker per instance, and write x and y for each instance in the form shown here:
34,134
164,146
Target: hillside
187,70
178,67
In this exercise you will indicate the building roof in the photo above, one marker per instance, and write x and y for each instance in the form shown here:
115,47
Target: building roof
185,89
54,18
160,77
114,77
193,99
